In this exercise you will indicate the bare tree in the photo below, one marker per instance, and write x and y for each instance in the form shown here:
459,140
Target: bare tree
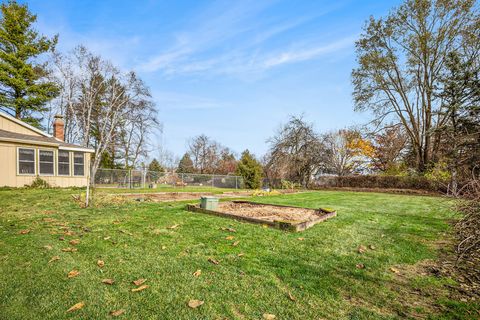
97,100
389,148
296,150
400,62
133,135
205,153
346,151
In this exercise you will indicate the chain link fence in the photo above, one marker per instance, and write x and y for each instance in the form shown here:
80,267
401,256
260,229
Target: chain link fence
130,179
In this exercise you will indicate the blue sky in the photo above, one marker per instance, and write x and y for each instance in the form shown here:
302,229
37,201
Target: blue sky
233,70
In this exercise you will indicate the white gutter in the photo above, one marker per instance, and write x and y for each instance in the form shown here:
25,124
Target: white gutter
31,142
51,144
76,149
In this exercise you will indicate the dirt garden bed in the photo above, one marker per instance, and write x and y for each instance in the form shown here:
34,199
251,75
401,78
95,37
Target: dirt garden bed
278,216
180,196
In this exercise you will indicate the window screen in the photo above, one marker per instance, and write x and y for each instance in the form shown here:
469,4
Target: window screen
26,161
78,164
63,163
46,162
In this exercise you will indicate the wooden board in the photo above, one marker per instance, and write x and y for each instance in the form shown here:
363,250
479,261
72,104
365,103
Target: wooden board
283,225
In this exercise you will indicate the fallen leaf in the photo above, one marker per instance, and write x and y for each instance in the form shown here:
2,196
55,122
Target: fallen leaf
301,239
26,231
230,238
61,238
213,261
139,282
361,249
268,316
195,303
360,266
54,258
197,273
76,306
140,288
69,249
173,227
100,263
74,242
235,243
69,233
371,247
394,270
117,313
228,229
108,281
126,232
48,247
291,297
106,238
240,254
73,273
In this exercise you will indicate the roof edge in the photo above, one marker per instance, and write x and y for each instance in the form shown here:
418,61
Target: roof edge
89,150
50,144
31,142
23,124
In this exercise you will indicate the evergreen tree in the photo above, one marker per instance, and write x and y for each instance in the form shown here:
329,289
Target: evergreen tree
460,145
186,164
250,170
24,87
155,166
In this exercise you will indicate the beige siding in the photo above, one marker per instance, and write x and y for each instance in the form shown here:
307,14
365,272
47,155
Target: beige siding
10,178
9,125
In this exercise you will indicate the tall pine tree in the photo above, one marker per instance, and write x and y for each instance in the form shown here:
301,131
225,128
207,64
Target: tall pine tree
186,164
24,86
155,166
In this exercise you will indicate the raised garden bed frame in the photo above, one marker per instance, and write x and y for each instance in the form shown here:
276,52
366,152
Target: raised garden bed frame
294,226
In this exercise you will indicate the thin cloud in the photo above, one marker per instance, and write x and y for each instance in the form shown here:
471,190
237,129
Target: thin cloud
298,55
228,39
168,100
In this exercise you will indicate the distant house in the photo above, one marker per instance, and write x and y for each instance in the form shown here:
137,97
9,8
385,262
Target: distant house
27,152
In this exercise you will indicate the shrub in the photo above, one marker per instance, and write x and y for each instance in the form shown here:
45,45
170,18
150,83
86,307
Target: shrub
261,193
439,174
38,183
379,182
290,185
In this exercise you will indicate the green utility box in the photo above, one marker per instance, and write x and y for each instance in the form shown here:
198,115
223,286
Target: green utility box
209,203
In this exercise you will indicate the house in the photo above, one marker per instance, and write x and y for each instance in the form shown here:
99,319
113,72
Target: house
27,152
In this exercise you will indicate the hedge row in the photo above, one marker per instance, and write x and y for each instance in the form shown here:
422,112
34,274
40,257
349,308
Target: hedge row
378,182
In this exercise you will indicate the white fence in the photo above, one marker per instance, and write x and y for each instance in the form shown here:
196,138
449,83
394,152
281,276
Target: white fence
120,178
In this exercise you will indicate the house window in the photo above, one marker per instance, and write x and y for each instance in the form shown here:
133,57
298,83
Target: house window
26,161
78,164
46,162
63,163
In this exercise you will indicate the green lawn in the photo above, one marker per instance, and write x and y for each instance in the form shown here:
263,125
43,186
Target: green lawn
318,270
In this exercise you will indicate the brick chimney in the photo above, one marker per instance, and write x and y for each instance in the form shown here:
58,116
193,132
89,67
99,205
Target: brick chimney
58,126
